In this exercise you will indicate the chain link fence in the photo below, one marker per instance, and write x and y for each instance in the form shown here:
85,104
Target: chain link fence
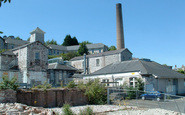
144,99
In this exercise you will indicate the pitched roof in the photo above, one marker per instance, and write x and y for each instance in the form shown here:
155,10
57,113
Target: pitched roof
7,53
37,30
145,67
57,66
57,47
101,54
89,46
27,45
15,41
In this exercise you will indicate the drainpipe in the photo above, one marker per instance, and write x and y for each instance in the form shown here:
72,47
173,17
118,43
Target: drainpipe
84,63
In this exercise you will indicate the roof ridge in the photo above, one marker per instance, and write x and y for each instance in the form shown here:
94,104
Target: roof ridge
143,66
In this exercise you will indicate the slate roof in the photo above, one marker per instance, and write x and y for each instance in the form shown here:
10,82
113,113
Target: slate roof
57,66
57,47
27,45
15,41
145,67
100,54
7,53
37,30
89,46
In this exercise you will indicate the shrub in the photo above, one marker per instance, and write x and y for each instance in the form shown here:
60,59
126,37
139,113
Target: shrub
67,110
43,86
9,84
71,84
87,111
96,92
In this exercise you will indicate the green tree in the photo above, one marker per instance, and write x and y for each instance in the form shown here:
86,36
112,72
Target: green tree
51,42
83,49
85,42
18,38
75,41
4,1
3,50
111,48
67,41
69,55
1,32
28,39
181,71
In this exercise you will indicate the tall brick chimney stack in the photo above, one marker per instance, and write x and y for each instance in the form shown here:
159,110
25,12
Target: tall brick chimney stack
119,27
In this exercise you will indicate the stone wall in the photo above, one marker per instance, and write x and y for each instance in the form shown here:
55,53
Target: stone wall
52,97
7,96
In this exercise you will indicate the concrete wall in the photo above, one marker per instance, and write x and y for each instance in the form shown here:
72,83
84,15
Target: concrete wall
181,86
122,78
52,97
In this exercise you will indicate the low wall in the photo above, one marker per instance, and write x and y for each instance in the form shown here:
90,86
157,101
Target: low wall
51,97
7,96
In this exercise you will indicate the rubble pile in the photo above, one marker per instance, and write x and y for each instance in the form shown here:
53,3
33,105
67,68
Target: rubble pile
21,109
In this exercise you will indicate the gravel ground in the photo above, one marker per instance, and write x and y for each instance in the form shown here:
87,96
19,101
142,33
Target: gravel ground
119,110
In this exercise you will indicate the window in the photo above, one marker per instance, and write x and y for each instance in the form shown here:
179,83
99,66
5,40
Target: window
92,51
53,51
106,81
57,52
49,51
37,56
133,82
97,62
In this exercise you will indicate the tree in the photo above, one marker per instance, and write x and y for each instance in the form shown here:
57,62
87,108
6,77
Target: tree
4,1
18,38
69,55
1,32
28,39
83,49
69,41
85,42
51,42
181,71
75,41
111,48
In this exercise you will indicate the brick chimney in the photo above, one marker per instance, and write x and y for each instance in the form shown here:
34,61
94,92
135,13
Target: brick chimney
119,27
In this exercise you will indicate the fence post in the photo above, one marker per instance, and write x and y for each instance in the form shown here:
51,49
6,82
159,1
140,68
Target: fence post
108,98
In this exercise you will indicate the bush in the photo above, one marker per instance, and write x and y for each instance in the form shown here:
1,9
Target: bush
43,86
9,84
96,92
71,84
87,111
67,110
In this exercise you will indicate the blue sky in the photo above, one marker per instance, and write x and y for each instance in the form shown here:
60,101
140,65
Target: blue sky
153,29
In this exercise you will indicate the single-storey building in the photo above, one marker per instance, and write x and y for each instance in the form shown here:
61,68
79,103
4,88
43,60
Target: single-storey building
155,76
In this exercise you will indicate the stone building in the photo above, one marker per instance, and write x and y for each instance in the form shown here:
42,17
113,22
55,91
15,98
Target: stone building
32,62
60,72
95,62
38,35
